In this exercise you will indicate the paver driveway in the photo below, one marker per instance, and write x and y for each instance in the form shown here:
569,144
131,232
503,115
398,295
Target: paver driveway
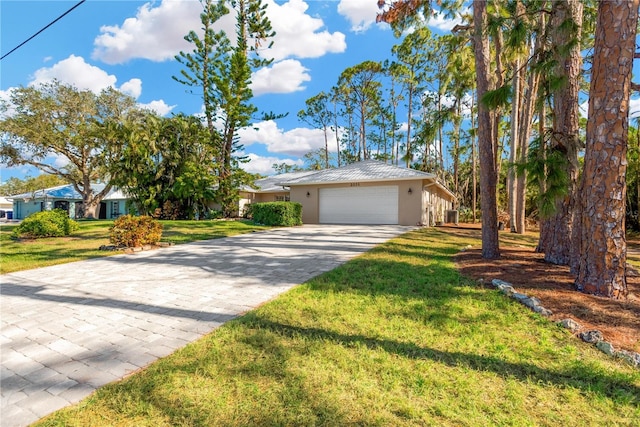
69,329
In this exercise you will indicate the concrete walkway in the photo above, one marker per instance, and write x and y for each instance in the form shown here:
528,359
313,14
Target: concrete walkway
69,329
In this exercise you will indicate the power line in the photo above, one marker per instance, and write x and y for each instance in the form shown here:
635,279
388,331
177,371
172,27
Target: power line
44,28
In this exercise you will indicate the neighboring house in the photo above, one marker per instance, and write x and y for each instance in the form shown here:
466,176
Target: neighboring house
67,198
367,192
6,208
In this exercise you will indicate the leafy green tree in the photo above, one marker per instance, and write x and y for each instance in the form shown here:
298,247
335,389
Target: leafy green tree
221,70
395,95
15,185
58,119
283,167
315,160
318,114
410,71
166,164
363,85
344,107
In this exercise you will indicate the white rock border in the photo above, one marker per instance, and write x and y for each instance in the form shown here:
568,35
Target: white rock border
593,337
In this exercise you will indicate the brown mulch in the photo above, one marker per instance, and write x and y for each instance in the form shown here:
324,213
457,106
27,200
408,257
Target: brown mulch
618,320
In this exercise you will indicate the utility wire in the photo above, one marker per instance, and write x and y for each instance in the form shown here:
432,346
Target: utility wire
44,28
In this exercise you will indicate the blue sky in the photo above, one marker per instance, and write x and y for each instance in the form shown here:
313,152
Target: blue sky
131,45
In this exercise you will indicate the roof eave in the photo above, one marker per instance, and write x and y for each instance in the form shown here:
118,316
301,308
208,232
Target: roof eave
405,178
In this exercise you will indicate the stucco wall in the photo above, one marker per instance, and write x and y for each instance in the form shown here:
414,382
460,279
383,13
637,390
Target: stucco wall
409,205
309,203
271,197
22,209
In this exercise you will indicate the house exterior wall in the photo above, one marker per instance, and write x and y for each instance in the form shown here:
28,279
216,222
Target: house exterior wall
115,208
310,205
435,202
22,209
409,205
281,196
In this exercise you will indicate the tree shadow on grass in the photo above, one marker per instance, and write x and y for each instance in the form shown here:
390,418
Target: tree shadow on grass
615,387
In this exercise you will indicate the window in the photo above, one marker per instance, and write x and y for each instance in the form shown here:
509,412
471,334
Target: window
115,209
283,198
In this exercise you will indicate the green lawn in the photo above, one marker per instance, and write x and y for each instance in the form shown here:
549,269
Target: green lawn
393,338
84,244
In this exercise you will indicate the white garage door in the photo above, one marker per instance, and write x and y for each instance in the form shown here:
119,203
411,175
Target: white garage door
359,205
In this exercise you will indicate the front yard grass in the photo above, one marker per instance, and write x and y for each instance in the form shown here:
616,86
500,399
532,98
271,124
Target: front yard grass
392,338
84,244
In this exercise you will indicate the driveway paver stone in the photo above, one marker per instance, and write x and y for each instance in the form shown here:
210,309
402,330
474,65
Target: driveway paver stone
68,329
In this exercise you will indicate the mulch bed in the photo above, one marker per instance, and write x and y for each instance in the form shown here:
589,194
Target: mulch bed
526,270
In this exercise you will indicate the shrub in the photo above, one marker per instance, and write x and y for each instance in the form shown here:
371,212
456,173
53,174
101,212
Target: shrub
54,223
213,214
248,211
277,213
132,231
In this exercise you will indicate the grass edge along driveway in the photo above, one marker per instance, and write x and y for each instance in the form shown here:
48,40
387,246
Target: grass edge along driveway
85,243
393,337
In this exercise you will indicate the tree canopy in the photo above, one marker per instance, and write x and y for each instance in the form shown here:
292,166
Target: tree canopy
58,120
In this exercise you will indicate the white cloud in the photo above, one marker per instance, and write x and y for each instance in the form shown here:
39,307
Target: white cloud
133,87
584,109
300,35
442,23
360,13
283,77
156,33
75,71
5,98
264,165
159,106
295,142
634,108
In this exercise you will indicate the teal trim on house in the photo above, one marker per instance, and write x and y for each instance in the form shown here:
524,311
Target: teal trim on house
66,197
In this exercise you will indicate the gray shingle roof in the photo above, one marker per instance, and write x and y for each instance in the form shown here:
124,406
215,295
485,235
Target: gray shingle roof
273,184
367,170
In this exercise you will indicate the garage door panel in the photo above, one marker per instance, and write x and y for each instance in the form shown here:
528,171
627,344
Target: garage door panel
359,205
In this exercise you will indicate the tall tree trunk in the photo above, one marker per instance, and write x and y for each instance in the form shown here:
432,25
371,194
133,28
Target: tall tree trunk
409,117
326,147
335,119
602,266
474,166
515,133
526,122
486,134
440,155
565,135
543,240
456,150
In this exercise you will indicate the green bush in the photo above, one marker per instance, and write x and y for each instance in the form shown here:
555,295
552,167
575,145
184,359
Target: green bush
133,231
54,223
248,211
277,213
213,214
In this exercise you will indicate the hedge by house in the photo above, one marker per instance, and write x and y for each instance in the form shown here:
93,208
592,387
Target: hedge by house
54,223
277,213
133,231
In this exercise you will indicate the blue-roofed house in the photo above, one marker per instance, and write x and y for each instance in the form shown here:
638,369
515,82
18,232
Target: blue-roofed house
67,198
